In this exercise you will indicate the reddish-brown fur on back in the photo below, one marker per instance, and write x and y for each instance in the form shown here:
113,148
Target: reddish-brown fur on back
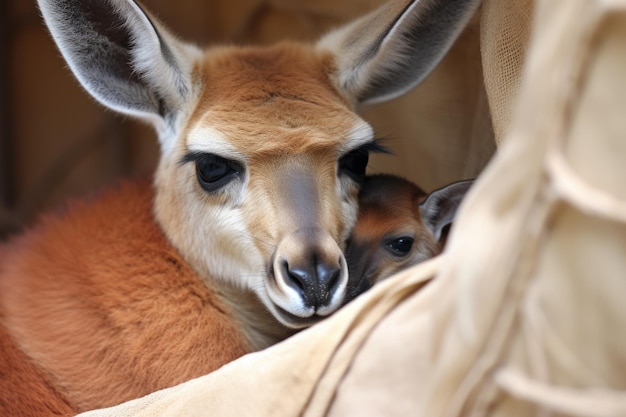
19,375
105,307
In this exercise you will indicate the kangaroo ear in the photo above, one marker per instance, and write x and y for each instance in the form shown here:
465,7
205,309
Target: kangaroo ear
392,49
439,208
121,56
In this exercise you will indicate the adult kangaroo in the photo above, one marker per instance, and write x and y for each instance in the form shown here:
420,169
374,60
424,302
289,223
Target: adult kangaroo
238,241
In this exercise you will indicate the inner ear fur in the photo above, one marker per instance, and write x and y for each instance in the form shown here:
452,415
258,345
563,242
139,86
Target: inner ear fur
439,208
122,56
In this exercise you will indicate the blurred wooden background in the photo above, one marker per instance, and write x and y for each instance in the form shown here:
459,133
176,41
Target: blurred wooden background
57,142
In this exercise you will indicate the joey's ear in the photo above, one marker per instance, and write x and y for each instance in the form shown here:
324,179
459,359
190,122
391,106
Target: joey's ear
439,208
392,49
122,56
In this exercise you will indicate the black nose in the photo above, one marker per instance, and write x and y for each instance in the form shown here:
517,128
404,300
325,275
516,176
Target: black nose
315,281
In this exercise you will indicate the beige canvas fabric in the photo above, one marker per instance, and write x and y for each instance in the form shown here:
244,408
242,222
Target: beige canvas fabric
526,312
504,34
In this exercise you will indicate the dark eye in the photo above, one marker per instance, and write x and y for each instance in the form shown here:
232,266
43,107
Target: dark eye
214,172
354,163
400,246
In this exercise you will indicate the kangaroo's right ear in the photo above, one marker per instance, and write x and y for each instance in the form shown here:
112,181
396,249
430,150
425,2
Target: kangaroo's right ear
439,209
122,56
392,49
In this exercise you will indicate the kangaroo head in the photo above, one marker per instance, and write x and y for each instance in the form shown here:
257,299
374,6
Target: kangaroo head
263,152
398,226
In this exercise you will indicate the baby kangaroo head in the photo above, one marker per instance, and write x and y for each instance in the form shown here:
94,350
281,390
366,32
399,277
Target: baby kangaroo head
263,153
398,226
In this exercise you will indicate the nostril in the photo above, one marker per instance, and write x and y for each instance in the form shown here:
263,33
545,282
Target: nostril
298,279
329,279
334,282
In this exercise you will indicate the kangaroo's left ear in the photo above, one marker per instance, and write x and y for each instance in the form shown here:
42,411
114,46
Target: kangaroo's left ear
392,49
439,208
123,57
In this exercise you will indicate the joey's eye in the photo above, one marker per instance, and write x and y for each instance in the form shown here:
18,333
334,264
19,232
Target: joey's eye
354,163
214,172
400,246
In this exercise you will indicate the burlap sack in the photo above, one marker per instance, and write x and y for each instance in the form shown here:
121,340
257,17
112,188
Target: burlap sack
525,315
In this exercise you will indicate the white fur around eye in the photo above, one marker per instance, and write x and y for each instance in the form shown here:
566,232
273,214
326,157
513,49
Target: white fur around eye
210,140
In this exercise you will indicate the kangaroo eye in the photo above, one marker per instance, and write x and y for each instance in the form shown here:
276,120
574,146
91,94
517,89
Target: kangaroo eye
354,163
214,172
400,246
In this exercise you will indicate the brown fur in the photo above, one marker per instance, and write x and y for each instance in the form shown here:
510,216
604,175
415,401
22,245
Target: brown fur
262,98
24,390
104,310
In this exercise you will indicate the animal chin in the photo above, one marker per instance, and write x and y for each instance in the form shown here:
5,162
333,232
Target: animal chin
293,321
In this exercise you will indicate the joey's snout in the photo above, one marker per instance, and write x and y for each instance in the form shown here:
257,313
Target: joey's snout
310,274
